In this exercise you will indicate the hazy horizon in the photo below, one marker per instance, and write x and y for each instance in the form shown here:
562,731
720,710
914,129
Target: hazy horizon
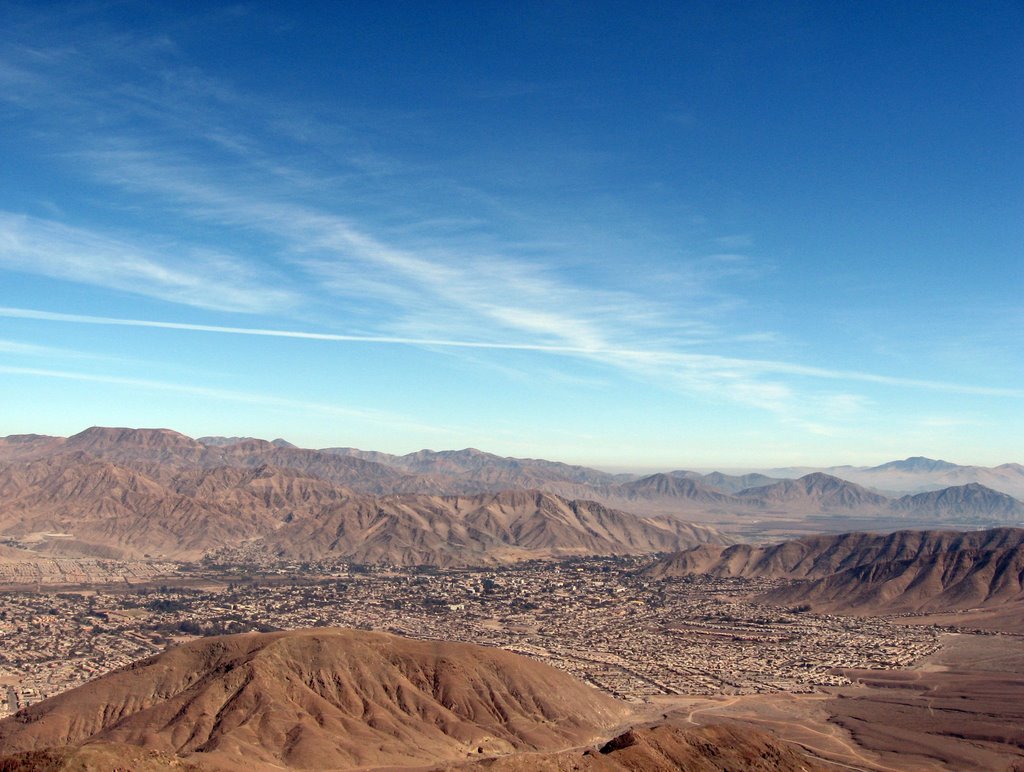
701,466
658,237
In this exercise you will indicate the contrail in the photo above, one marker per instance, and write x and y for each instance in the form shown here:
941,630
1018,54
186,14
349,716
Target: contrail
51,316
723,367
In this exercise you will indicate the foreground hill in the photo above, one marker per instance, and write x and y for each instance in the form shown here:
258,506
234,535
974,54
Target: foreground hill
96,757
665,747
902,571
319,699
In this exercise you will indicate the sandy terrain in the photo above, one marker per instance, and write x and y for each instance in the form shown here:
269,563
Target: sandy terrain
962,708
1005,618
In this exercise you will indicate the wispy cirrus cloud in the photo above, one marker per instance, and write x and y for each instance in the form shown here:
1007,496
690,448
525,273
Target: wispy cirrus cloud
715,369
157,120
197,277
20,349
173,135
435,286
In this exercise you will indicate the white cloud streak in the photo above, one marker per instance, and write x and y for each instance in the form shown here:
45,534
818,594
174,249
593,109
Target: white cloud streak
30,349
201,278
442,294
434,288
715,368
405,293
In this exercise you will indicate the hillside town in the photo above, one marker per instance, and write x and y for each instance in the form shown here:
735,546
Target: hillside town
633,637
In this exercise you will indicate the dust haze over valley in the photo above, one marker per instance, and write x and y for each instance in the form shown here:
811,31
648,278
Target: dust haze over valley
511,386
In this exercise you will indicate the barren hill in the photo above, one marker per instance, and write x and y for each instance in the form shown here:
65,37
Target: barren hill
919,474
96,757
967,501
161,454
733,483
320,699
667,486
474,466
816,492
21,446
915,464
221,442
136,493
664,748
114,511
100,439
128,493
471,470
482,529
814,557
906,570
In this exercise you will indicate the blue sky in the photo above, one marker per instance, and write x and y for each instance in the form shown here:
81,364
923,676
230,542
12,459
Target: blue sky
653,236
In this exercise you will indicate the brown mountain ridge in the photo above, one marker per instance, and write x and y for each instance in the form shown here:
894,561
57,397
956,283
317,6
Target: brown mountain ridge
344,699
136,493
322,699
474,530
131,493
865,572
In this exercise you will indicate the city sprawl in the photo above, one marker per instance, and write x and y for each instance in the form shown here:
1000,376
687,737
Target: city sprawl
629,636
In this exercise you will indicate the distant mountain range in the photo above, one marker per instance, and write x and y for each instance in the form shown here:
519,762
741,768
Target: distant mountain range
866,572
812,494
914,465
968,500
477,468
121,493
919,474
135,493
476,471
729,483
